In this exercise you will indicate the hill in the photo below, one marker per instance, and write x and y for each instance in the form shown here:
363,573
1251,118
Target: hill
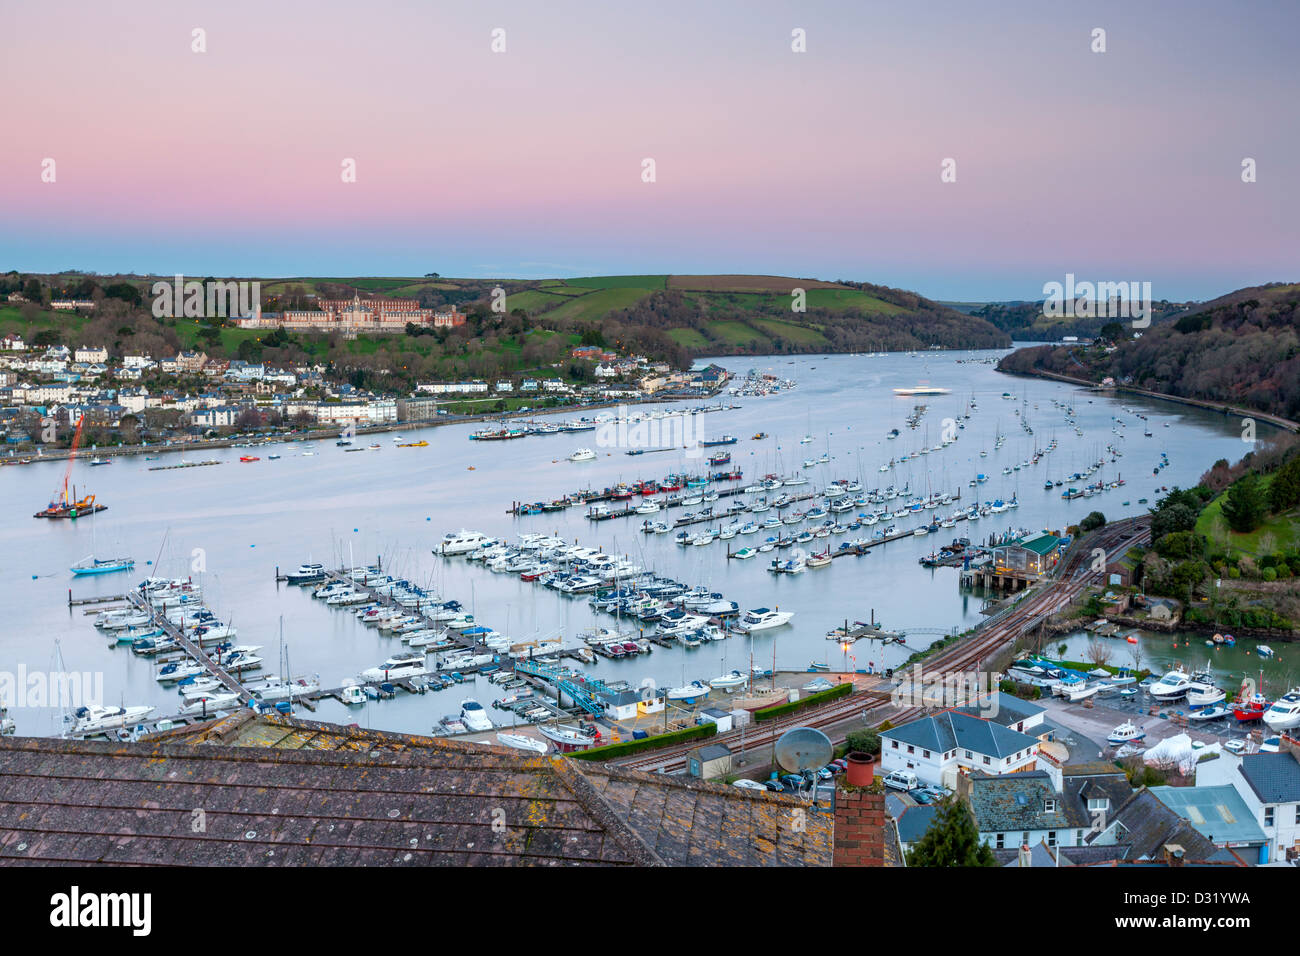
671,317
1242,349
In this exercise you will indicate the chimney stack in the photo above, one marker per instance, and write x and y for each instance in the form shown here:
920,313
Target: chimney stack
860,822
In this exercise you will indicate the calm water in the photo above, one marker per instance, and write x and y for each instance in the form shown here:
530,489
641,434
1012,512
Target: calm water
239,521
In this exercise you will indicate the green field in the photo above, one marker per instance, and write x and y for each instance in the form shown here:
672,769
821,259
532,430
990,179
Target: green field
593,306
798,334
12,322
734,333
841,300
691,338
620,282
1283,529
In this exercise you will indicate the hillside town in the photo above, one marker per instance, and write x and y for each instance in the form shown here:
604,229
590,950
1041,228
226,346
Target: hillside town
190,394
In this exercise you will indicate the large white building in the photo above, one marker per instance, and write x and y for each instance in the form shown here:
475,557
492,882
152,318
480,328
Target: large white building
940,747
1269,784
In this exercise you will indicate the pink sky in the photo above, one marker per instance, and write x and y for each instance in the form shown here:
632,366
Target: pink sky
1122,165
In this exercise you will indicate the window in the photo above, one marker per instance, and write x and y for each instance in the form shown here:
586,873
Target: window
1268,816
1024,838
1051,838
1049,806
925,754
968,755
1099,803
1001,841
893,744
986,760
911,749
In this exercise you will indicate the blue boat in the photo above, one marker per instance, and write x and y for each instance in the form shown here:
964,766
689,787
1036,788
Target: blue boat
105,566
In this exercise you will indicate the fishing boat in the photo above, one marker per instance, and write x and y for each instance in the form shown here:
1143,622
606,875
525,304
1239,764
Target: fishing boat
1203,691
1125,733
1249,707
92,565
520,742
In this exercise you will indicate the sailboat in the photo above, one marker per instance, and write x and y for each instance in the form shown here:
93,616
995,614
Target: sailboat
92,565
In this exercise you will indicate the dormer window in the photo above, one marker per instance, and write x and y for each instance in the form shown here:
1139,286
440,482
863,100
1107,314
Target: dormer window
1099,803
1049,805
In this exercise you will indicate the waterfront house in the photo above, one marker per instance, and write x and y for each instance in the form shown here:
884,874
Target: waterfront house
1269,786
1033,555
941,747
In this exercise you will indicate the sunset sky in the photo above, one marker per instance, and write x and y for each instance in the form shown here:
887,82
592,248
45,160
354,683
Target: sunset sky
1112,166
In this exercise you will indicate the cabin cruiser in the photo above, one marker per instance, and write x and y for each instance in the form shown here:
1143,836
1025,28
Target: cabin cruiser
1172,686
583,454
306,574
91,719
462,542
280,689
179,670
1125,733
396,668
1285,712
473,715
761,618
211,704
583,735
1203,691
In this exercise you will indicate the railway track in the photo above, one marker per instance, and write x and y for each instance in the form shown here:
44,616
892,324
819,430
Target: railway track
1069,580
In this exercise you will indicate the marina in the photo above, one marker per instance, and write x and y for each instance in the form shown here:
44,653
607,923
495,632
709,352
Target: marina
229,533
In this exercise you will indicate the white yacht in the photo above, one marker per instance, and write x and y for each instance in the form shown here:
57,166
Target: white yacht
1285,712
221,700
396,668
689,691
1203,691
1172,686
583,454
729,682
1125,733
472,713
761,618
462,542
520,742
89,720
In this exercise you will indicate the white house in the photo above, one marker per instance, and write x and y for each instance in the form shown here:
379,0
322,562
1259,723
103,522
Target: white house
940,747
222,416
1269,784
91,353
137,361
505,385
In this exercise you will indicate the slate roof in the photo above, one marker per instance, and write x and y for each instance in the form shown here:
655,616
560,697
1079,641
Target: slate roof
951,730
1015,801
1218,813
1083,782
1275,778
915,821
1010,710
284,791
1145,826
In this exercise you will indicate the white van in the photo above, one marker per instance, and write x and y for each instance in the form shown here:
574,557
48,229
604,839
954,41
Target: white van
902,780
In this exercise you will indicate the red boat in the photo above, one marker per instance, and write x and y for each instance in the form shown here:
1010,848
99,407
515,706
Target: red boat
1246,709
249,458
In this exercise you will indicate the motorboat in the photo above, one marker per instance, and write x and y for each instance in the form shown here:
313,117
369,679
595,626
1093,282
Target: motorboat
761,618
1172,686
92,719
1208,713
280,689
1203,691
352,694
729,682
1125,733
473,715
211,704
306,574
179,670
1285,712
520,742
396,668
463,542
583,454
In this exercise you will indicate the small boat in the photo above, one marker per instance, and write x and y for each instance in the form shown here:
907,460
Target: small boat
583,454
1264,651
101,461
249,458
474,716
91,565
520,742
1208,713
582,735
689,692
730,681
1172,686
1125,733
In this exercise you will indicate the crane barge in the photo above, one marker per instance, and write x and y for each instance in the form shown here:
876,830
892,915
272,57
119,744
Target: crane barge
63,505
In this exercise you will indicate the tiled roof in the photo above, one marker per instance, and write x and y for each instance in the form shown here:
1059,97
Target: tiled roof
1010,710
915,821
1145,825
1092,781
1275,777
291,792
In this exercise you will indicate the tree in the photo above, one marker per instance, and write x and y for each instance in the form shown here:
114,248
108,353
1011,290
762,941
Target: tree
1245,504
951,840
1112,332
865,740
1092,522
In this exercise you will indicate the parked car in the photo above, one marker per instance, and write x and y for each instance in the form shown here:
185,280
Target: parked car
839,762
774,785
825,773
903,780
833,769
928,794
792,781
744,784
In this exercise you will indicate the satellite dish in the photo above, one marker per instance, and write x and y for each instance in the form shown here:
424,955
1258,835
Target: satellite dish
803,749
